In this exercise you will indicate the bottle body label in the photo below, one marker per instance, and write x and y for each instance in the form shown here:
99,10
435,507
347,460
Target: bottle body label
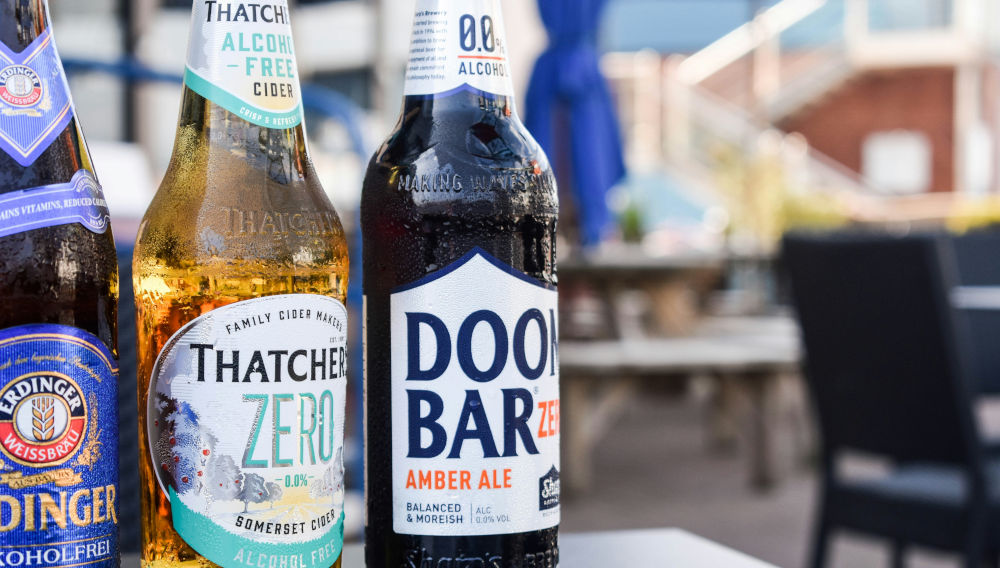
245,425
458,45
58,448
35,105
242,58
475,402
79,201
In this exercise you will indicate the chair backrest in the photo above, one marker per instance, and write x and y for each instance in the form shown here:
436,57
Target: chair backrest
884,363
977,255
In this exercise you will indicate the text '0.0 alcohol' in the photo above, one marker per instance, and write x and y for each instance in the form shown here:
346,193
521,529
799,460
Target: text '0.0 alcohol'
459,214
241,275
58,316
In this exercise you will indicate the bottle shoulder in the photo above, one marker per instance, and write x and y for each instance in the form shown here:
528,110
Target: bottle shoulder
58,163
488,138
228,210
60,274
486,162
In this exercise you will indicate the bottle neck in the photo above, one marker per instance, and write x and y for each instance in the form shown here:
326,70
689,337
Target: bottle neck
43,144
242,93
458,58
282,153
464,101
21,22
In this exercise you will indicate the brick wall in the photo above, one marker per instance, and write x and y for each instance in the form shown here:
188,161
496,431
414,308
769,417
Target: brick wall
908,99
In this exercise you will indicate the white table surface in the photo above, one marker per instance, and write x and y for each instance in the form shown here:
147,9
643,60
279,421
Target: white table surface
660,548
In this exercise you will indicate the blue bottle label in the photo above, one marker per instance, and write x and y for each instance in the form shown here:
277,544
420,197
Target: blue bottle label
58,448
35,105
79,201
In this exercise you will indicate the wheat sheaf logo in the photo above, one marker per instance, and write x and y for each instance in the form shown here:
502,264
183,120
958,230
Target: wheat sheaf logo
43,419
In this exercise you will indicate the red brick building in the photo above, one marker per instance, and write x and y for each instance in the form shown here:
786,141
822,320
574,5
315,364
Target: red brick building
901,95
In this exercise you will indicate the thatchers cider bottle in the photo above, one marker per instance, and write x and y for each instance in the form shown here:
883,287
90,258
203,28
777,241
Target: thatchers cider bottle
240,277
459,215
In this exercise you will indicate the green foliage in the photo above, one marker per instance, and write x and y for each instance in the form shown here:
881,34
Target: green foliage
763,203
630,222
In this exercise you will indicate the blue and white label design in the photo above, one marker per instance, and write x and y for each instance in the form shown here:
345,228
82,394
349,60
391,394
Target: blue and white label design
79,201
458,45
475,402
35,105
242,58
246,429
58,448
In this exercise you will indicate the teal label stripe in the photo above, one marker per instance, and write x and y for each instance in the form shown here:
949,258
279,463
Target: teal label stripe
233,551
239,107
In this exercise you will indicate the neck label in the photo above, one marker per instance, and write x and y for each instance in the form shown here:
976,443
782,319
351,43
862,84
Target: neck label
242,58
35,106
78,201
456,46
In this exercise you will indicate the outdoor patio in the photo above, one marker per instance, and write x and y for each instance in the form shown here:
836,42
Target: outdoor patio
698,135
653,470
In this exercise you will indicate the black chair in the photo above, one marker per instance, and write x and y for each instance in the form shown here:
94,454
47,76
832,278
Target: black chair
887,372
978,258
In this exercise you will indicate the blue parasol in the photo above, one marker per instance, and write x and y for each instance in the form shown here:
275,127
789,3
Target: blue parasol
567,82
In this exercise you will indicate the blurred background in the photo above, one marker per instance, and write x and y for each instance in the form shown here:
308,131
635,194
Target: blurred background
725,125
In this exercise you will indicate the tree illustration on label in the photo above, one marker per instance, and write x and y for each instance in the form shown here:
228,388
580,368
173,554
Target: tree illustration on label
332,480
253,490
222,478
274,492
184,447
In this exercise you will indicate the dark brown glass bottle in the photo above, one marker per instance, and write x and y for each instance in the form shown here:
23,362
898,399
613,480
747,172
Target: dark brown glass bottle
58,312
459,214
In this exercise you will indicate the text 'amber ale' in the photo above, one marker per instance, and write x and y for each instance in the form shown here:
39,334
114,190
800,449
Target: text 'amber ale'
58,316
240,277
459,216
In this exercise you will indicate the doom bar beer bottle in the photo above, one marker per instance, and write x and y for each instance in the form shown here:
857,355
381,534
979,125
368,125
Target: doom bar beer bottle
459,218
58,316
240,277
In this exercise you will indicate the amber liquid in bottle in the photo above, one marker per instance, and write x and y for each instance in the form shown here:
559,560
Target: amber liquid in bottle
240,214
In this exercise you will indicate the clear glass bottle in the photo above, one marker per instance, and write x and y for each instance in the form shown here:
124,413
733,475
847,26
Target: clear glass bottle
241,271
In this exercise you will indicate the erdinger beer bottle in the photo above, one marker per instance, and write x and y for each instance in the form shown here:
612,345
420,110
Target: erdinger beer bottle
58,316
459,218
240,277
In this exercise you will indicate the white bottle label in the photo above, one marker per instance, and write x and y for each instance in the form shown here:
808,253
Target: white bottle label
246,424
458,45
475,402
242,58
